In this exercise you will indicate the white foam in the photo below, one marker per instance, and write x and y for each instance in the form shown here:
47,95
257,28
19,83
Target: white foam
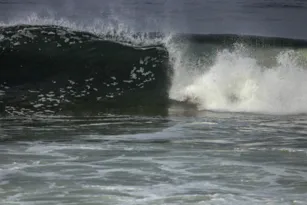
237,81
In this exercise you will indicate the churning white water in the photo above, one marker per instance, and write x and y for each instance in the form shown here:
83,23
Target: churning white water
237,80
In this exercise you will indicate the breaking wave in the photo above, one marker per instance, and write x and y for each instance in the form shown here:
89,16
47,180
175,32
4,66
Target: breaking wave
56,68
244,79
51,69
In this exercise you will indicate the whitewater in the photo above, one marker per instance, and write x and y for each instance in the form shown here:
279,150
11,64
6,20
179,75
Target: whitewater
237,81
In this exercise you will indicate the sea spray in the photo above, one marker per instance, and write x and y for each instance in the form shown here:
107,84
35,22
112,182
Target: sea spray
238,81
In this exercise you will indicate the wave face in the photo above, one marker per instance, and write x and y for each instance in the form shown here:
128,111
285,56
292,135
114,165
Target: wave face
49,69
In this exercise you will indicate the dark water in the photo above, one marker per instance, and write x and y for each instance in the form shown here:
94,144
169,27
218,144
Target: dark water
153,102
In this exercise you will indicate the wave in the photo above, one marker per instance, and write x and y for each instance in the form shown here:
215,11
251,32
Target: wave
49,69
52,69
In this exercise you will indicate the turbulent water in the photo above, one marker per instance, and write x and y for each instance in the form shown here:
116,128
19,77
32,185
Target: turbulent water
102,112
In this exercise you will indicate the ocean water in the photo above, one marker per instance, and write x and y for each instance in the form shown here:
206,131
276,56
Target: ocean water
153,102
